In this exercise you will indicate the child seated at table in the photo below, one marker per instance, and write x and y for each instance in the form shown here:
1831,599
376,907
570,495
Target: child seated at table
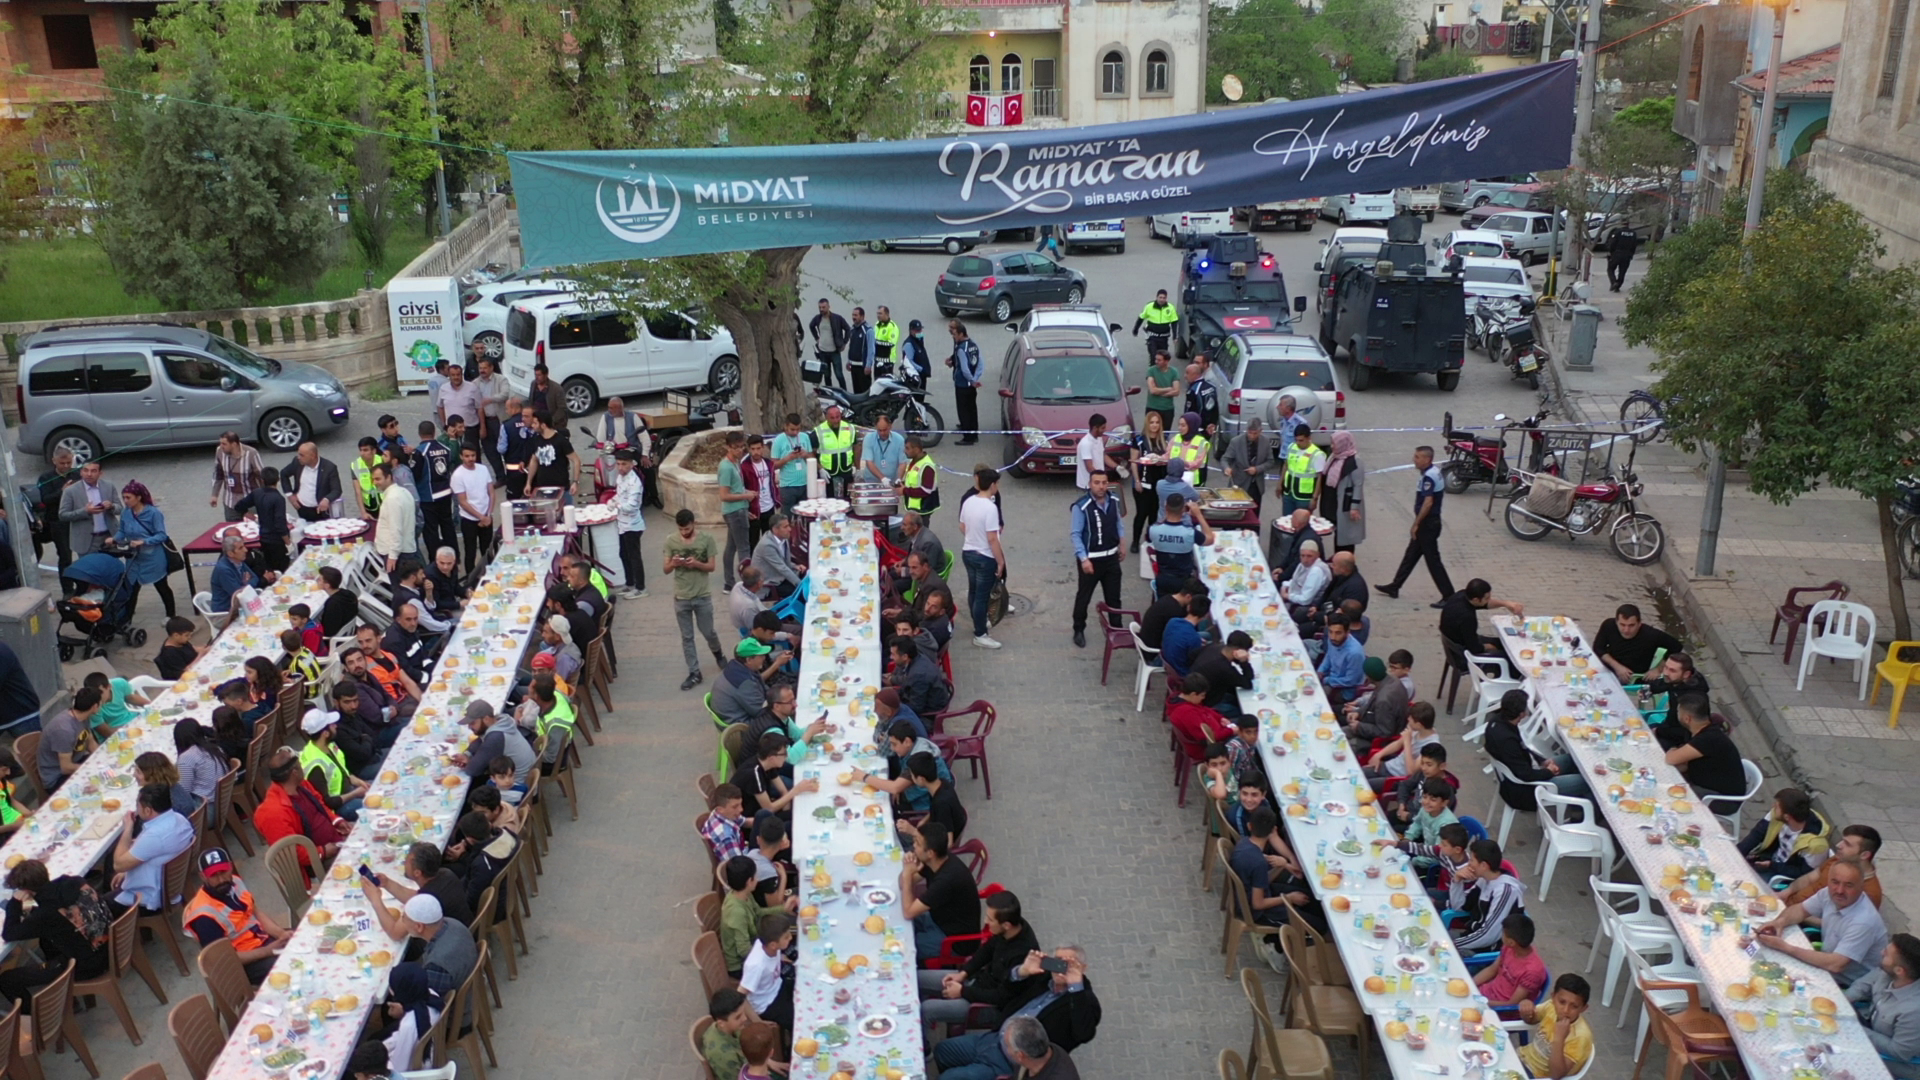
177,652
757,1042
1435,814
1399,758
1517,974
1446,885
1562,1042
500,773
1490,897
766,977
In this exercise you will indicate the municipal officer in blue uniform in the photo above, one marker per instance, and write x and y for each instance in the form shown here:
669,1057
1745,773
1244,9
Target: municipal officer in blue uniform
1099,546
1425,534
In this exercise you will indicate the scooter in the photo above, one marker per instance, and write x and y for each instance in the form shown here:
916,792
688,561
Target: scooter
1473,458
897,396
1505,327
1586,509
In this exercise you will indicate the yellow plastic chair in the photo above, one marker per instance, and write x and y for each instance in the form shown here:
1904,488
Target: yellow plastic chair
1898,674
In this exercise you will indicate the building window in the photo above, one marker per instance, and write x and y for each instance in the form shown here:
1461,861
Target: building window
69,42
1113,73
1896,45
980,75
1010,74
1156,81
1045,99
1696,64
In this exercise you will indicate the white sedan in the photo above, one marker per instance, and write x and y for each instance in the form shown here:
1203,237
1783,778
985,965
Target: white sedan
1494,279
953,243
483,316
1470,243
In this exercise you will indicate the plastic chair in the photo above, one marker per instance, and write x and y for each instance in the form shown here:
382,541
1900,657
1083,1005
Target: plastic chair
721,765
123,949
977,859
956,949
1636,926
226,981
1678,970
1472,824
1239,921
946,565
225,822
150,1071
26,750
164,924
1585,839
711,963
972,747
53,1023
1500,804
1729,807
1492,678
203,604
1694,1037
444,1072
1330,1010
1288,1053
1116,637
1839,638
1898,674
694,1036
1793,613
147,686
1150,666
286,862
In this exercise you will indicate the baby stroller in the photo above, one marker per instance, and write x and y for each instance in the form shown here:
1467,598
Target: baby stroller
102,588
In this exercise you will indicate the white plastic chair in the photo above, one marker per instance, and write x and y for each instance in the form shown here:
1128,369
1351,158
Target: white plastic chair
1149,666
1521,1027
1636,927
444,1072
1584,839
1500,805
1728,807
1492,678
148,686
1146,560
203,604
1833,629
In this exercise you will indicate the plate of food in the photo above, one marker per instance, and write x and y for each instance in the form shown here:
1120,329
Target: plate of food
1477,1054
284,1058
119,782
833,1035
881,897
1336,808
1320,774
1413,937
1412,964
877,1027
1348,846
824,813
1620,765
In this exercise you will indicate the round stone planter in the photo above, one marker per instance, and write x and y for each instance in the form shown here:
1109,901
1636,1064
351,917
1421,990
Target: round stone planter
683,487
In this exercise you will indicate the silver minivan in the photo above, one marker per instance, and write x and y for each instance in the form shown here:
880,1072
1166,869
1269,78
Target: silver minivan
95,390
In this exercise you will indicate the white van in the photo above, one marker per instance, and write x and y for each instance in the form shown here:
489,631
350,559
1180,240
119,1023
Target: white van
1189,224
1360,206
595,352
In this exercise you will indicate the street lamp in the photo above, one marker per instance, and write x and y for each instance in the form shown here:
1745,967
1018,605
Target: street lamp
1756,194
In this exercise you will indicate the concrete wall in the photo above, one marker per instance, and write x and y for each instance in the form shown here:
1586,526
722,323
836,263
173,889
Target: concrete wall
1135,26
1710,114
1871,155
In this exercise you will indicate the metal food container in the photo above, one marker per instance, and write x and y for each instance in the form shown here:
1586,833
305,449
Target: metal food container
1224,504
873,499
540,510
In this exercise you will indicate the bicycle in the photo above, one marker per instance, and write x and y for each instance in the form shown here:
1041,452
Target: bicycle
1644,416
1906,521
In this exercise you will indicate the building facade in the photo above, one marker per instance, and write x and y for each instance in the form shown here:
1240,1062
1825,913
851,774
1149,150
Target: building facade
1871,155
50,50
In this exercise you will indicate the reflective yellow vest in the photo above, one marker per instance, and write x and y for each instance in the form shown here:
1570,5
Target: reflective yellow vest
886,339
1300,478
923,474
1191,453
363,478
836,449
1159,316
332,766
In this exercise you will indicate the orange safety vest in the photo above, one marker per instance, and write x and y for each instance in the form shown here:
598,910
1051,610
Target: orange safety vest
243,929
386,672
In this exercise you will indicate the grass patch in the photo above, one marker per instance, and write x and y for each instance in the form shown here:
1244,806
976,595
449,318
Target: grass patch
72,279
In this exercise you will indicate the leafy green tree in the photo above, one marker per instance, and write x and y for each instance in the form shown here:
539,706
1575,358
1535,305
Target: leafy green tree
1444,65
209,207
1269,46
1368,37
1792,354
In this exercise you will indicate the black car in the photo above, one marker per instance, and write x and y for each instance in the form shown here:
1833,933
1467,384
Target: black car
998,286
1230,286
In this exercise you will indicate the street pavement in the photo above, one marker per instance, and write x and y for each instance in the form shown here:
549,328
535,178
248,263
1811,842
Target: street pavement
1083,825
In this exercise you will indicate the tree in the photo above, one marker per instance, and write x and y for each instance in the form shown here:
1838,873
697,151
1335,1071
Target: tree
1269,46
370,214
209,205
1792,355
1368,37
1444,65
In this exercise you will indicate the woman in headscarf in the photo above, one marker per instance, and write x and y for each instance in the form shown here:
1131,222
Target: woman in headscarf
1340,498
1191,449
144,529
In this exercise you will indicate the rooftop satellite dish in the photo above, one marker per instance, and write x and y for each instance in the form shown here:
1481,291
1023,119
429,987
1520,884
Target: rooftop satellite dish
1230,87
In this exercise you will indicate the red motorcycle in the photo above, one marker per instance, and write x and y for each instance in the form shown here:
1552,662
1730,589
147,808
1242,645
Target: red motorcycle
1550,503
1473,458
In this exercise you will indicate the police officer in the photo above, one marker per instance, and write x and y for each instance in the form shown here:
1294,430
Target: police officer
1620,251
968,371
1159,318
1305,464
835,437
913,354
1100,547
886,341
860,351
920,488
1424,538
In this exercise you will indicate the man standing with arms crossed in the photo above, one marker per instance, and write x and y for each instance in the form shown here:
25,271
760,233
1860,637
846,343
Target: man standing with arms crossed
968,370
826,352
1424,538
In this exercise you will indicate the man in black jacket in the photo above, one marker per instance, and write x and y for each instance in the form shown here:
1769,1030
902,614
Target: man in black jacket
1229,670
1505,745
988,976
312,483
1062,1001
1166,609
1347,583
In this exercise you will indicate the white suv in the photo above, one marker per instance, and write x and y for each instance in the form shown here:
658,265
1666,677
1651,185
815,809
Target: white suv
594,351
1260,366
1189,224
483,310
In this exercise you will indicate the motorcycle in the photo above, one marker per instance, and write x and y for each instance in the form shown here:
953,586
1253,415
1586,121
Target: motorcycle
899,396
1506,328
1473,458
1550,503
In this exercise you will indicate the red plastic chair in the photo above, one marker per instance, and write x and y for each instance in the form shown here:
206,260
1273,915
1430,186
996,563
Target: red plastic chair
891,554
950,956
975,853
1794,613
1117,637
1185,756
970,748
937,723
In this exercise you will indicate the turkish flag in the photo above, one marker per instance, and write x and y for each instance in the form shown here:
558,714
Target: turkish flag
977,110
1247,322
1013,114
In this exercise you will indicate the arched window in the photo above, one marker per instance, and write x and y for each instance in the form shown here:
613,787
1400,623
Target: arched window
1113,73
1010,74
1696,64
1156,72
980,75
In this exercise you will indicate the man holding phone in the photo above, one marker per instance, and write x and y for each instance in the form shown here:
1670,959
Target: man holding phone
425,872
224,909
1052,989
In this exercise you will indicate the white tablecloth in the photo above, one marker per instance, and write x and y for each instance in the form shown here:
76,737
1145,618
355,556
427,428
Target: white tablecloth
1640,796
843,836
417,797
1331,825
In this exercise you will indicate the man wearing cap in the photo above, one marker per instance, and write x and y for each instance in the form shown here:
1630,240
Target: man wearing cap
325,765
740,694
223,909
494,736
449,957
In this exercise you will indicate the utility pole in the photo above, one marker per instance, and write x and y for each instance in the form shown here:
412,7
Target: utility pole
1583,113
433,115
1756,194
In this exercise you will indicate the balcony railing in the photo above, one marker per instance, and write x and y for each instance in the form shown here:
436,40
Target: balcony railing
1044,102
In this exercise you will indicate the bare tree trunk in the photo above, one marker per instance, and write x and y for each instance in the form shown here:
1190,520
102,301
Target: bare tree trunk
1896,573
761,319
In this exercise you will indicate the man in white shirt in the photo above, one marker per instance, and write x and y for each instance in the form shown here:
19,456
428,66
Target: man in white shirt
980,551
1091,456
472,486
396,533
629,494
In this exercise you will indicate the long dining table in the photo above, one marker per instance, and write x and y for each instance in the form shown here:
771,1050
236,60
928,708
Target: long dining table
1405,970
856,1001
1711,894
304,1022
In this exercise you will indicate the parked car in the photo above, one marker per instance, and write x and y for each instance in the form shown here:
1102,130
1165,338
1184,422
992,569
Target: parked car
483,310
1493,279
1467,194
1051,382
1361,206
1184,227
953,243
593,350
1528,235
1259,367
1468,243
1110,233
1086,317
1643,207
1518,197
1423,200
998,286
96,390
1344,248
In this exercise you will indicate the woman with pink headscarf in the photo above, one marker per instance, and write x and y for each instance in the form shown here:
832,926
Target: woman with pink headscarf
143,531
1340,495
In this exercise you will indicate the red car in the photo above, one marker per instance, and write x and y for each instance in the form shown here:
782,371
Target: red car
1053,380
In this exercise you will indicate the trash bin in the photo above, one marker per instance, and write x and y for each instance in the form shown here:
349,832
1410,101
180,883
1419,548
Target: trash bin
1584,338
